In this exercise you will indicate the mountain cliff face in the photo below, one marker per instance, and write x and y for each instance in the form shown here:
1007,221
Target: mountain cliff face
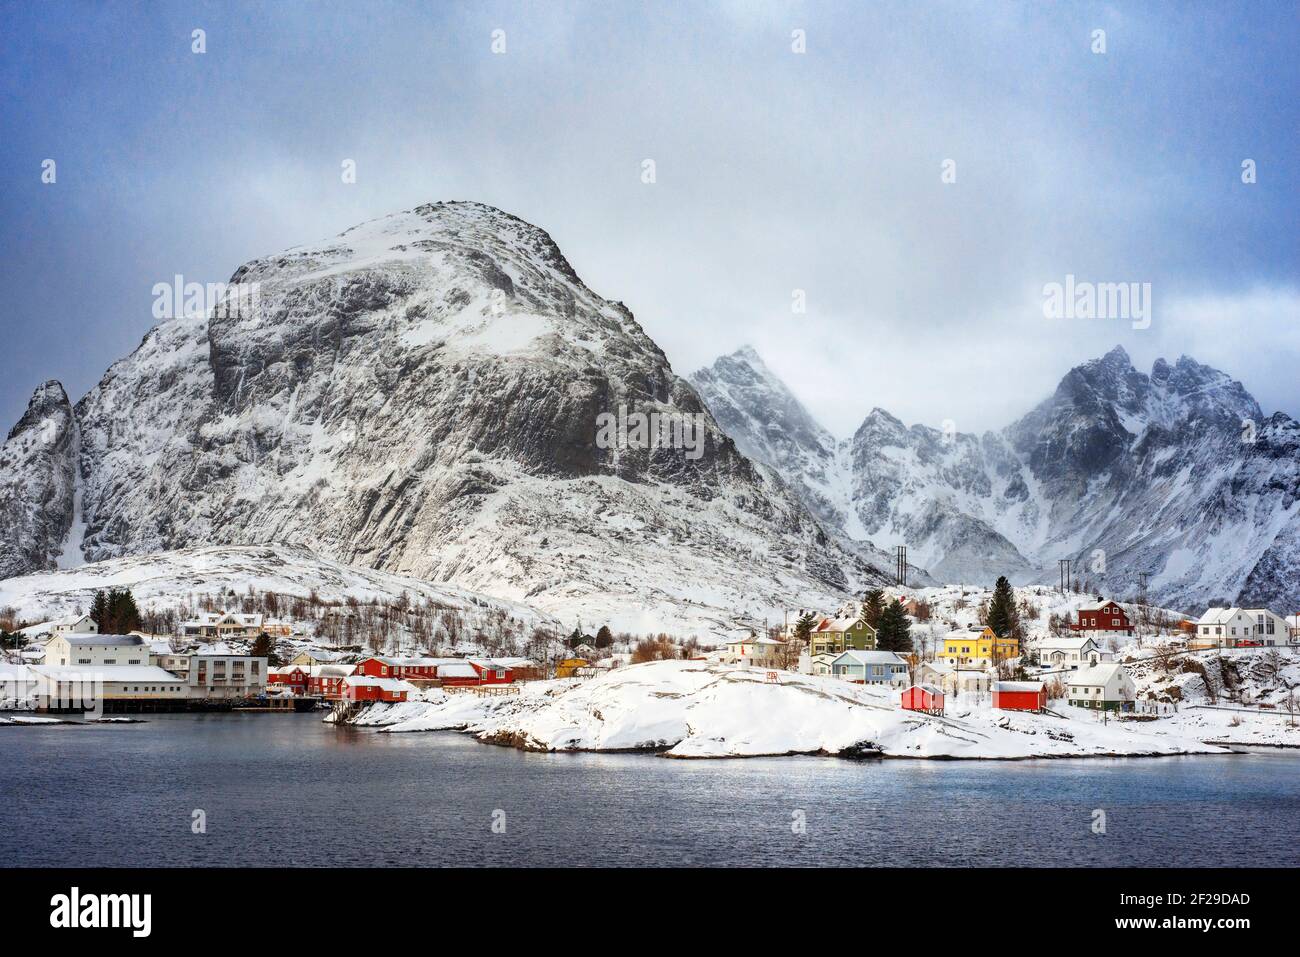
36,483
1176,475
421,395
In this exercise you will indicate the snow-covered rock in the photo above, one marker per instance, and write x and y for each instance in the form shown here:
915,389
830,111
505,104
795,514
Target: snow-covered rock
37,464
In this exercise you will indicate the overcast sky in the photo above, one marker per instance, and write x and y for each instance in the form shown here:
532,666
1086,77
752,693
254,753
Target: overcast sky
776,171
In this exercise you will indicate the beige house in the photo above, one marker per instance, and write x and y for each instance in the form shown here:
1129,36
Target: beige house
215,625
755,652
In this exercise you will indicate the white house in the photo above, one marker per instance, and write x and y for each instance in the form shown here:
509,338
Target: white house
1106,686
1071,652
1241,627
79,624
86,688
954,681
83,649
755,651
871,667
821,664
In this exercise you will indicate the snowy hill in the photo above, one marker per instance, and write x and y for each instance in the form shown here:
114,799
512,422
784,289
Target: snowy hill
421,395
1177,475
166,580
694,709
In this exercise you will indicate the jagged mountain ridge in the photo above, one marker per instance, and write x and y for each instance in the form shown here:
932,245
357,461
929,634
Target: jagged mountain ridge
1123,472
419,395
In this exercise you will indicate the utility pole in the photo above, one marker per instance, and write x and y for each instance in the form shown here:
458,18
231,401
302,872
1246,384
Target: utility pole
1064,565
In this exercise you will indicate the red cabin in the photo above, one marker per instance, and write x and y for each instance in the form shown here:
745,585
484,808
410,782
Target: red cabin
1106,616
293,677
1019,695
458,673
925,698
491,673
409,669
327,680
369,688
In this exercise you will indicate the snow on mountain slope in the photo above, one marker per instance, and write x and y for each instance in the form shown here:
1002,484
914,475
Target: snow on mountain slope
164,581
420,394
771,426
37,483
1176,475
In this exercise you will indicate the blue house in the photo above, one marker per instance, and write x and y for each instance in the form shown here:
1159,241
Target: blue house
871,667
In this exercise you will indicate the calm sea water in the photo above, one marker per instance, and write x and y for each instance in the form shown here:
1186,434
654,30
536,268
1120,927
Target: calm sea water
289,790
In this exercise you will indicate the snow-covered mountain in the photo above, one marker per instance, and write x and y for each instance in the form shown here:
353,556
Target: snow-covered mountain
421,395
1177,475
37,465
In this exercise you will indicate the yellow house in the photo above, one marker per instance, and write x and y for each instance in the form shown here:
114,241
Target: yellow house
569,667
970,648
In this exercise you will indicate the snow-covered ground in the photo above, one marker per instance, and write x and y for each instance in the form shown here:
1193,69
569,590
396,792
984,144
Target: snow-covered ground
693,709
167,579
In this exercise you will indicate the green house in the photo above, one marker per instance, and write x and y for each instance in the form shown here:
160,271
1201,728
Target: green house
834,636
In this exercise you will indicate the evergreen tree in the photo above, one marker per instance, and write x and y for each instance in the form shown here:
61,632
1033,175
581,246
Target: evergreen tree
894,633
803,628
873,605
604,637
264,646
1003,618
120,614
99,611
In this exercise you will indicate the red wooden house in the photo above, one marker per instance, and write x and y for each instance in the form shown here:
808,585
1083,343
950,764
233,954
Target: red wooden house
406,668
1019,695
458,673
1106,616
925,698
370,688
293,677
326,681
491,672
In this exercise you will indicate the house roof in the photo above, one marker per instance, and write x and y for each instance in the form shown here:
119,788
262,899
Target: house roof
1096,675
1071,642
330,671
929,688
458,669
387,684
871,658
86,639
225,617
1217,616
1098,606
219,649
1034,686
